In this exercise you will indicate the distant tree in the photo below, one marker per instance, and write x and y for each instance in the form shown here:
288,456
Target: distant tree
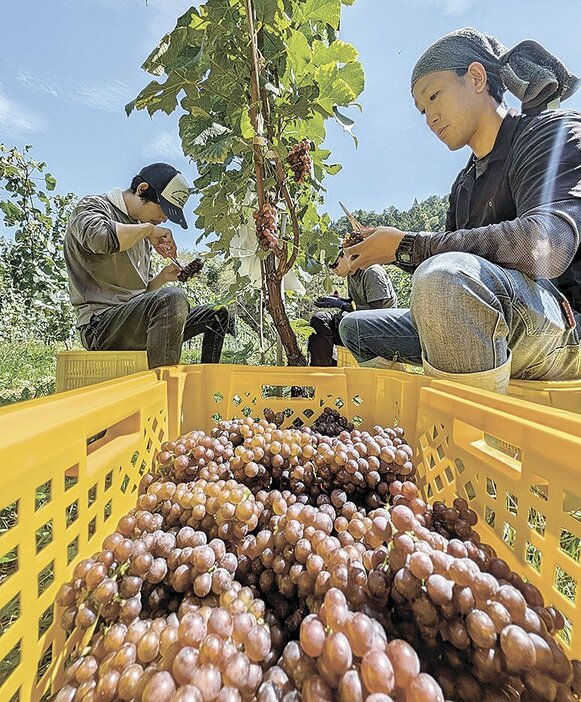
32,268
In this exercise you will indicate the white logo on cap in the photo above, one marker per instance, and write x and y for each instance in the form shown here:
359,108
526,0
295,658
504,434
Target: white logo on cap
176,191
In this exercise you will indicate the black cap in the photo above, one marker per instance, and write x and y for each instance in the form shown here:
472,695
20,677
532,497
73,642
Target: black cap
171,188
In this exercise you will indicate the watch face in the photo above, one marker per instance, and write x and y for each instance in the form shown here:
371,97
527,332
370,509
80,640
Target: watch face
405,257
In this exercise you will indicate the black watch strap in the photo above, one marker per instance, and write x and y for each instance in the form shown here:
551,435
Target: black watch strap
403,253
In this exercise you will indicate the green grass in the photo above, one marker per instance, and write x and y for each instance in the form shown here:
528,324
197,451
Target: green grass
26,371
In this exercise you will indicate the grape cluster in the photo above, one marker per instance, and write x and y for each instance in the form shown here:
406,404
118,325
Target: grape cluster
213,649
263,564
497,630
331,423
190,269
300,161
351,239
195,455
356,661
266,234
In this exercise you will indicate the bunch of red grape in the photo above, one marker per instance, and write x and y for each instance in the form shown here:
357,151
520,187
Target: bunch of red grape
331,423
266,234
300,161
190,269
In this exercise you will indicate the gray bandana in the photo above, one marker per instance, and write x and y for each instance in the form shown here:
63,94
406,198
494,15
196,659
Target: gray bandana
528,71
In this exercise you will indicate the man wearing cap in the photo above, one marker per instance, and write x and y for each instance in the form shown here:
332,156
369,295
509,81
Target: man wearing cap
120,304
367,290
498,294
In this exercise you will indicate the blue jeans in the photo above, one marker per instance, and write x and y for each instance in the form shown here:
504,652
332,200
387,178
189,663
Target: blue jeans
465,314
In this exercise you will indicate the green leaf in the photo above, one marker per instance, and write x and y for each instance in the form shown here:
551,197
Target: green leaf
332,89
354,76
266,10
50,181
328,11
346,122
216,150
11,211
246,128
338,52
332,168
302,327
299,54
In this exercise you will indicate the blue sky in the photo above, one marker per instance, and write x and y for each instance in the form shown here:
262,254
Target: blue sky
67,68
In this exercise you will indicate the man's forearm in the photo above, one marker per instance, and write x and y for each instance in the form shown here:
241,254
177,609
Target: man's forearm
540,245
131,234
156,283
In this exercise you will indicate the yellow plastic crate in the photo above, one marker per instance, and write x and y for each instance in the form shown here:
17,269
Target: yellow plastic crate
76,369
345,359
468,443
517,463
62,490
560,394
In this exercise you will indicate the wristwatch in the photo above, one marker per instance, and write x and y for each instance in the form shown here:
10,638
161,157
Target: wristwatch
403,253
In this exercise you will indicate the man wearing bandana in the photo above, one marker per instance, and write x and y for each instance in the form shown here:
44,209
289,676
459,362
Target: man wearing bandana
498,294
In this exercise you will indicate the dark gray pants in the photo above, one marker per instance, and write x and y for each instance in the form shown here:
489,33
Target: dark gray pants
321,344
158,322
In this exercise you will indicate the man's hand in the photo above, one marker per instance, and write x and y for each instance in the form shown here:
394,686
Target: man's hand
162,241
167,274
379,247
332,301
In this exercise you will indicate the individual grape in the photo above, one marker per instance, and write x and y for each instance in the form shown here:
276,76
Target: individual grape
184,663
351,688
160,688
518,647
337,653
423,688
377,672
420,565
107,686
148,646
404,661
317,690
312,636
359,632
481,629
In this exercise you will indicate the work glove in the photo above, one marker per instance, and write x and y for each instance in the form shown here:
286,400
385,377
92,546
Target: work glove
332,301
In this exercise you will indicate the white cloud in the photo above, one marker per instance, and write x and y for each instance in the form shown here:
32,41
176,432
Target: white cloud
166,145
448,7
16,120
44,85
110,98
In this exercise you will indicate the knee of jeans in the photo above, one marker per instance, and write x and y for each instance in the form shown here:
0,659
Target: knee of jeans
438,281
173,299
348,330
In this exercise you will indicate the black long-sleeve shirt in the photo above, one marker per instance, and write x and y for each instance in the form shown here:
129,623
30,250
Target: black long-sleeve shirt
520,206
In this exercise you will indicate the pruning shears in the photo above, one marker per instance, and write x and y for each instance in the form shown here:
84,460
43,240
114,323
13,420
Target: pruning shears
357,226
